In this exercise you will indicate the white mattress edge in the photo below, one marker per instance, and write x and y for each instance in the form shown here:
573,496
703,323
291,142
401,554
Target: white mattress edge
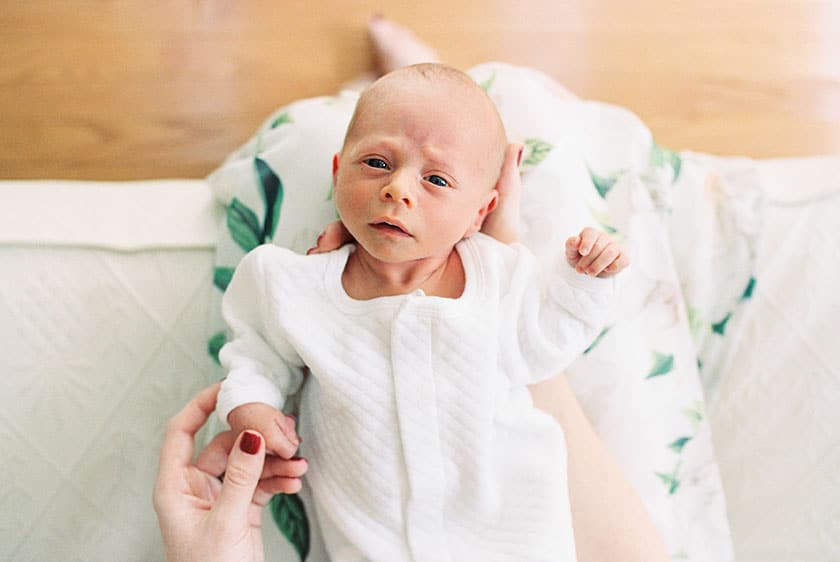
118,215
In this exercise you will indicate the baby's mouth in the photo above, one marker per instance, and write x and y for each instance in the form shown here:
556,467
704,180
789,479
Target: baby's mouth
390,227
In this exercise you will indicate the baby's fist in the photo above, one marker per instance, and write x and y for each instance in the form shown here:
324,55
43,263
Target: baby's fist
278,429
595,253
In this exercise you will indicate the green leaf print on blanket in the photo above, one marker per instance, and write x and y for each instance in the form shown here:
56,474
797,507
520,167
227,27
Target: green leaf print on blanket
282,118
662,365
661,156
603,184
597,340
222,277
677,446
537,151
289,514
720,327
488,83
671,479
243,225
749,290
272,194
214,345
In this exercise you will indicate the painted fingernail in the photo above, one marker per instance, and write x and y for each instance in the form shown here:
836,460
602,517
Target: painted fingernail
304,459
519,156
250,443
310,250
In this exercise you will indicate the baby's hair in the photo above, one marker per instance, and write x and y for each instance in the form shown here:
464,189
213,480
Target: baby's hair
431,72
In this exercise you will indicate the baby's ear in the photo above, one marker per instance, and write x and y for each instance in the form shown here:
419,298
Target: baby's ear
489,205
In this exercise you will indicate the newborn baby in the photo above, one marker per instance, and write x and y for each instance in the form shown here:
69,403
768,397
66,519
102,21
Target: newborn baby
410,349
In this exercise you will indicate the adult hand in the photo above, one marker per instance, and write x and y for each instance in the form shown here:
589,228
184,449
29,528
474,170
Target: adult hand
503,223
202,518
334,236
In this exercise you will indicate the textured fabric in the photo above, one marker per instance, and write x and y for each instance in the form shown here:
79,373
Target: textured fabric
414,416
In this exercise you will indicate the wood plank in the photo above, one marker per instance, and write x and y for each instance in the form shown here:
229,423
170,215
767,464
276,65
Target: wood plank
123,89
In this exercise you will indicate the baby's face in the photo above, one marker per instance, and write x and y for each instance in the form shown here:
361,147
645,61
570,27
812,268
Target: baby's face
417,173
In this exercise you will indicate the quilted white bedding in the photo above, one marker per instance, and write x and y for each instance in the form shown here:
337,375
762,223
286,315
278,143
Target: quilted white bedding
104,299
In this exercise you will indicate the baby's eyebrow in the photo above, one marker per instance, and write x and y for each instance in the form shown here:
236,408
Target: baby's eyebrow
382,143
437,158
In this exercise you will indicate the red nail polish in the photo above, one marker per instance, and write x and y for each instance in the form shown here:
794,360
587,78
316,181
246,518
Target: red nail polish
519,156
250,443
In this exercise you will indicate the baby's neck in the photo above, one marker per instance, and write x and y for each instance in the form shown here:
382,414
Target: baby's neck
365,277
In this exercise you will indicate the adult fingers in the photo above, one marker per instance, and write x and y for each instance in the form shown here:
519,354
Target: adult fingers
294,467
214,457
334,236
509,179
280,476
179,438
244,466
273,486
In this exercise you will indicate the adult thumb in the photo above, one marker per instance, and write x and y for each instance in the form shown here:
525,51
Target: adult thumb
245,464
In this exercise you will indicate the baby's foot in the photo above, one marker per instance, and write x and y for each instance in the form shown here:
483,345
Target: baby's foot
396,46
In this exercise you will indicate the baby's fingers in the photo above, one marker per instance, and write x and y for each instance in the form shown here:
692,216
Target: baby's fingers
572,253
620,263
603,260
283,440
589,239
594,250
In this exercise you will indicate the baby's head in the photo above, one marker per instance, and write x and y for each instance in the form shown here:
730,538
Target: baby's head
423,153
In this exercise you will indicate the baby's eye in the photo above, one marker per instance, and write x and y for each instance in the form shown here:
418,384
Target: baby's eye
437,180
376,163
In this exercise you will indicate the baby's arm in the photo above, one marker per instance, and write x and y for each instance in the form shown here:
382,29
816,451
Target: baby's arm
259,379
551,318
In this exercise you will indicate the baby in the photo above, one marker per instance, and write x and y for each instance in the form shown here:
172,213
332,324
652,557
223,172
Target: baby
410,350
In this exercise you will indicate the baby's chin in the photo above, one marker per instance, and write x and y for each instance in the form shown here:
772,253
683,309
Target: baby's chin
402,253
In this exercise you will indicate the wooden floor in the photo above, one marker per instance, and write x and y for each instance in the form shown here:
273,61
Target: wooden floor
136,89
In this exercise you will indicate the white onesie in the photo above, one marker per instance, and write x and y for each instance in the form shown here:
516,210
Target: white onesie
422,440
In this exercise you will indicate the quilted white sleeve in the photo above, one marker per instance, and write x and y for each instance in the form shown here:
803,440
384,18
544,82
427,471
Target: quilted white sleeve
550,327
256,372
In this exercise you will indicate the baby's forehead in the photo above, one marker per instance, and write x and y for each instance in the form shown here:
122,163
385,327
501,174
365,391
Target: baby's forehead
456,88
449,91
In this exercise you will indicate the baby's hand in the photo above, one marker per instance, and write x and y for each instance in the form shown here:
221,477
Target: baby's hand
278,429
595,253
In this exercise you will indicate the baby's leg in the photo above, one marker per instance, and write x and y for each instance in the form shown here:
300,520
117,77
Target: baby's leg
394,46
610,522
